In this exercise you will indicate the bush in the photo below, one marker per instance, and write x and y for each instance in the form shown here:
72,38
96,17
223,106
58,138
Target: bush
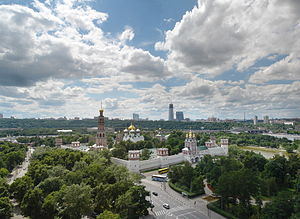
214,207
180,190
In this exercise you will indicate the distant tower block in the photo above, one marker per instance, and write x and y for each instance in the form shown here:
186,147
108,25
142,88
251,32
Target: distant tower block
255,120
224,142
266,119
133,155
162,152
171,112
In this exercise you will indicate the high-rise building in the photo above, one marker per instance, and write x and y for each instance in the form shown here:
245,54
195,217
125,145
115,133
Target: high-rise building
179,116
1,116
266,119
171,112
135,116
255,120
101,136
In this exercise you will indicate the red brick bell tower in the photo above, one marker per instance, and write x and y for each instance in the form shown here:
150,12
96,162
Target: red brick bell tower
101,136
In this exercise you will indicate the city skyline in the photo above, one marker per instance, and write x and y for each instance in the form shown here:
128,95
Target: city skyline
209,58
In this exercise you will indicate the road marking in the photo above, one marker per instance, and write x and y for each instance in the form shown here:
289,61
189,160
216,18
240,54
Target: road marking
178,208
161,212
183,214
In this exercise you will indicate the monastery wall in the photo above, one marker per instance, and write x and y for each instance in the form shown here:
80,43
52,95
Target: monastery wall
150,164
216,151
171,160
118,161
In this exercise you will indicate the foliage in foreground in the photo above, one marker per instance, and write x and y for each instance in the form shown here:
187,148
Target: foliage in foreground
71,184
244,179
186,178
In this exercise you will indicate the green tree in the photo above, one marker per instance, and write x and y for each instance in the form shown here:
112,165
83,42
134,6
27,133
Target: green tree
277,167
197,185
32,203
3,172
5,208
133,203
253,161
50,206
108,215
50,184
269,186
20,186
240,185
296,214
280,207
74,201
293,165
146,153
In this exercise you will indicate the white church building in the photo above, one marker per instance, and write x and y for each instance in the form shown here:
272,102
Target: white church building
132,134
191,153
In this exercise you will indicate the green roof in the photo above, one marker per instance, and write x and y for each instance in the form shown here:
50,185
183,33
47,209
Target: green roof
201,148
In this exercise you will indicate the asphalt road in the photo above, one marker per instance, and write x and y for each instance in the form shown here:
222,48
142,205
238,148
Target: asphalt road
21,169
180,207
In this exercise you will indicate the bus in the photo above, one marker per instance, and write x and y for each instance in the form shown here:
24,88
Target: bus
163,170
159,178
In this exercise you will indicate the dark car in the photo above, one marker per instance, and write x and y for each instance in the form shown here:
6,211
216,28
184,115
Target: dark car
166,206
155,193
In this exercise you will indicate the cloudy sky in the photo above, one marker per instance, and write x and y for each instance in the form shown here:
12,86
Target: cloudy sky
209,57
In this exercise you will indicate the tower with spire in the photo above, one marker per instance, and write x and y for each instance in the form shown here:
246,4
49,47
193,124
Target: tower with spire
101,135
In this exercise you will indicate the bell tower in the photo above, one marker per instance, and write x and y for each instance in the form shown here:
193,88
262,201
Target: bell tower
101,136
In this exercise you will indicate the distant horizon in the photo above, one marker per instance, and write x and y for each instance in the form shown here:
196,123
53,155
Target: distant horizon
149,119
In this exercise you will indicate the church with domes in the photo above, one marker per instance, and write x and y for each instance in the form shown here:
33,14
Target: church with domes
132,134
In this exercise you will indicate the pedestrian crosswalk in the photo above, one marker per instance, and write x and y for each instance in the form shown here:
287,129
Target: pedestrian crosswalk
161,212
170,211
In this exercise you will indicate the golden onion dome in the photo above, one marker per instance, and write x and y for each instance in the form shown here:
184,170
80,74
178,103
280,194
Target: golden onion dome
190,134
131,127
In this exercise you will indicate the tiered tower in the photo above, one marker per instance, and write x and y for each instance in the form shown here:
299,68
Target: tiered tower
191,143
101,136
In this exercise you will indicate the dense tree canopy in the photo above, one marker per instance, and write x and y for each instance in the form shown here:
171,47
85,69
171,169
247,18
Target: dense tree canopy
242,178
5,203
186,178
70,184
11,155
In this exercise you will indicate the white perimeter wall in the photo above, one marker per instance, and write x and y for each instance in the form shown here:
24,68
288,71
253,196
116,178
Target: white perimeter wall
118,161
160,162
136,166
